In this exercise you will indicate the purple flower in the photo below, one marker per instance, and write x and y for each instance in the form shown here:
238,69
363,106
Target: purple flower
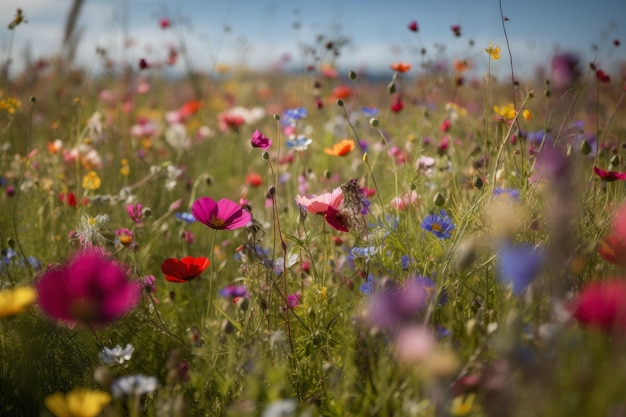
260,141
89,289
234,291
399,304
293,300
221,215
506,192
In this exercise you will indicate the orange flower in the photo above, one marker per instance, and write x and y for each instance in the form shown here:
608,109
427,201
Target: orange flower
461,65
400,66
254,179
341,92
341,149
189,108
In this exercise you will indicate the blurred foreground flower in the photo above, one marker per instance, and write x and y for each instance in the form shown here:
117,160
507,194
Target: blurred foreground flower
613,247
79,402
89,289
601,305
221,215
519,266
16,300
185,269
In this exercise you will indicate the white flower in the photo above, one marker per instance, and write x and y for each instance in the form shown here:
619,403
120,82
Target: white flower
116,355
88,231
282,408
134,385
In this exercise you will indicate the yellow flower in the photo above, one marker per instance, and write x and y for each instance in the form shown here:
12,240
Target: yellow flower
494,53
16,300
463,405
125,169
527,115
79,402
505,112
91,181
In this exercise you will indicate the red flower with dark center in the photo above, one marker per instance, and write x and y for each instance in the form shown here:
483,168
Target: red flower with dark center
185,269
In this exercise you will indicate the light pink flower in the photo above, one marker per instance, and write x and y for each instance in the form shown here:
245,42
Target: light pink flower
327,205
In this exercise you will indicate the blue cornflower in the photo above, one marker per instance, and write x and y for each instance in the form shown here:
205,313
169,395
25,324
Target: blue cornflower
300,143
438,224
184,217
366,252
519,265
367,287
234,291
512,193
291,116
369,111
405,262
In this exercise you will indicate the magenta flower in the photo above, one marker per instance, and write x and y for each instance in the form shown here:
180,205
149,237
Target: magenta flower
89,289
609,175
260,141
224,214
135,212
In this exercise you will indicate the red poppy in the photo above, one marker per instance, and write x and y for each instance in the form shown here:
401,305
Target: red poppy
254,179
189,108
609,175
400,66
341,92
185,269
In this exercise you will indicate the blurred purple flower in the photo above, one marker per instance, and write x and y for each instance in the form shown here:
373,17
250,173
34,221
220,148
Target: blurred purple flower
518,266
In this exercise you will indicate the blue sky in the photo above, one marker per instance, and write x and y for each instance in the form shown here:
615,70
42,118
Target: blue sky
261,31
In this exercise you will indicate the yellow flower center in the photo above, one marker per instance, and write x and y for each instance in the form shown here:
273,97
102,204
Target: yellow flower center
436,227
217,222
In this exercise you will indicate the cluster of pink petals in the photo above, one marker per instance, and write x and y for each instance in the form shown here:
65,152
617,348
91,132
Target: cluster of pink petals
405,201
613,247
221,215
88,289
327,205
609,175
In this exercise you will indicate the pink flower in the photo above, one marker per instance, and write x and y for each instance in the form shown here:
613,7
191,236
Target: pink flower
601,305
609,175
413,26
405,201
89,289
135,212
327,205
164,23
222,215
260,141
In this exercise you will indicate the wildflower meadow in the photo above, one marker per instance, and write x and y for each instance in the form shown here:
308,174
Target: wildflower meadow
430,241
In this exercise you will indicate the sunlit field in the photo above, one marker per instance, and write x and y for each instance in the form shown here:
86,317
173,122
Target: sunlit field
431,240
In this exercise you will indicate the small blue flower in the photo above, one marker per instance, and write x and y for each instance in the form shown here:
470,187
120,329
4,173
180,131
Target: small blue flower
300,143
369,111
367,287
438,224
405,262
184,217
365,252
132,385
519,266
291,116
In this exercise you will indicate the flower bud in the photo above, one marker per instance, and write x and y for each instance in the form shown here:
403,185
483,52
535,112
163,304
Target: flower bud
374,122
478,183
585,148
340,103
265,155
391,88
276,117
439,199
352,75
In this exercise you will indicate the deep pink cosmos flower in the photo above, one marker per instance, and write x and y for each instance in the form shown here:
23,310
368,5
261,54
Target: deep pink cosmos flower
224,214
88,289
413,27
609,175
260,141
327,205
601,305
